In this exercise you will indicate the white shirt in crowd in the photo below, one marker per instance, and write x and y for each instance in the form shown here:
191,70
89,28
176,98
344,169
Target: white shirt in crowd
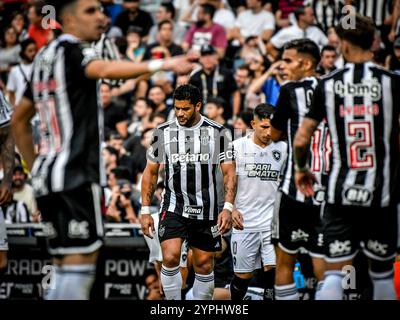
258,171
294,32
251,24
16,80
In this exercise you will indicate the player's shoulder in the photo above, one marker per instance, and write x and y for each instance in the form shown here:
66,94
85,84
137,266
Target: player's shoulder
166,125
383,71
215,125
241,141
281,145
333,74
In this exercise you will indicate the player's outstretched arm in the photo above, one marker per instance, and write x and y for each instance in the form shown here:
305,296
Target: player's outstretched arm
101,69
149,184
304,178
22,130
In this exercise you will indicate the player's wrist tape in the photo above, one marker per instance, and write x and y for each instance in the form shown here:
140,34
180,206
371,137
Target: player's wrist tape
228,206
145,210
155,65
301,169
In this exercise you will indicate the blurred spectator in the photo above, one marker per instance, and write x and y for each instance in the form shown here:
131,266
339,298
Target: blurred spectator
328,59
214,110
139,160
22,191
121,208
112,9
215,81
206,32
9,51
134,16
136,48
393,60
116,141
110,158
142,110
36,30
16,212
268,84
304,28
166,11
164,47
242,124
285,9
115,117
158,97
243,79
152,283
255,21
19,23
20,74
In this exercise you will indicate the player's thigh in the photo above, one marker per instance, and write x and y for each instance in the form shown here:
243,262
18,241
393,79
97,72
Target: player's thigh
204,235
380,235
73,221
246,254
341,236
268,255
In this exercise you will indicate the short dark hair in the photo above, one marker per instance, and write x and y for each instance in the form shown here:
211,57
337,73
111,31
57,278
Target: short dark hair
209,9
24,44
299,11
362,35
161,23
112,151
327,48
244,67
305,46
38,6
188,92
121,173
169,7
60,6
264,111
246,116
218,101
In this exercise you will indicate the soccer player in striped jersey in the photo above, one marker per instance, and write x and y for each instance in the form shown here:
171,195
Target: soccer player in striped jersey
296,222
258,166
191,148
7,153
68,170
362,104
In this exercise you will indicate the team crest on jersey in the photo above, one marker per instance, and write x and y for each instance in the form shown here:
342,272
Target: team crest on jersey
204,138
161,230
276,155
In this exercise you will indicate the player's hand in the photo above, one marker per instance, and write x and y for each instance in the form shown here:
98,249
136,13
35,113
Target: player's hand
237,220
305,182
181,64
224,221
147,222
5,194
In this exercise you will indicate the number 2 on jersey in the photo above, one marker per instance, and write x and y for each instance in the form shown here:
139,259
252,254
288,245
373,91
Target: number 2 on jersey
361,149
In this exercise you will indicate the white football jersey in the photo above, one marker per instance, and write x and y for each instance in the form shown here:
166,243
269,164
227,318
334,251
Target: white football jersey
258,170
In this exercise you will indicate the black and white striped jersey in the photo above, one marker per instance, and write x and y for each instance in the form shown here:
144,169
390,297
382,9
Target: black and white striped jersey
293,104
71,119
361,103
5,111
191,156
378,10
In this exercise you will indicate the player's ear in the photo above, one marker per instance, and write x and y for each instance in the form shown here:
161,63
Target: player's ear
253,123
198,106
